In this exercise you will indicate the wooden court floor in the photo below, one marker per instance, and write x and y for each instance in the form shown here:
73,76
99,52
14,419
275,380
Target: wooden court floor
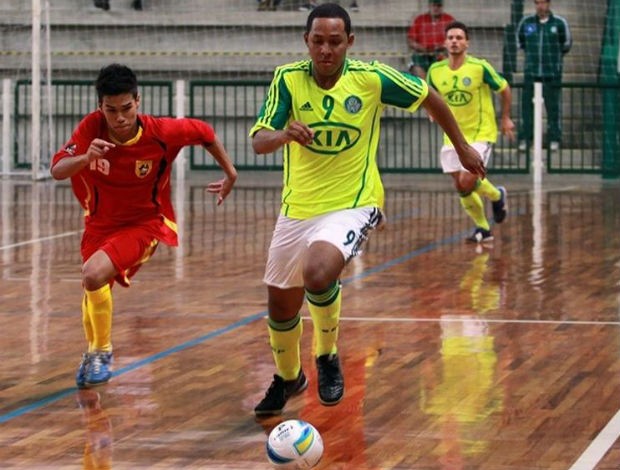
506,358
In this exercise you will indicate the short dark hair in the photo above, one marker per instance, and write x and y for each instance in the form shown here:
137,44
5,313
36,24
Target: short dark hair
329,10
116,79
457,25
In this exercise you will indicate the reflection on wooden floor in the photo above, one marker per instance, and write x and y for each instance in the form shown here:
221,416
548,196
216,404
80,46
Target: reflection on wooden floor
505,358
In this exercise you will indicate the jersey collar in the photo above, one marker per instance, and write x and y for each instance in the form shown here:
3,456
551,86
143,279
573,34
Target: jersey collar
131,141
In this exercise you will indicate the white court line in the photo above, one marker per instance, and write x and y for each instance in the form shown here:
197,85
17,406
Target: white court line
38,240
487,320
599,446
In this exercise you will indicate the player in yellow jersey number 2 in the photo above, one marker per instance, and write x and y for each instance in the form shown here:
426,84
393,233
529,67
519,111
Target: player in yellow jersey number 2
467,83
325,112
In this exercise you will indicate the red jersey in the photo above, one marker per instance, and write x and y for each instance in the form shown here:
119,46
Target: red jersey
131,184
429,32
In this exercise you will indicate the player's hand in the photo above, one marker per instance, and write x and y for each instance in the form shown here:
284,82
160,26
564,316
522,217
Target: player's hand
508,128
98,148
299,132
382,223
222,188
471,160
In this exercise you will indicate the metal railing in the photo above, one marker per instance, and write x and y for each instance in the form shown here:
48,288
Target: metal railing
410,143
71,101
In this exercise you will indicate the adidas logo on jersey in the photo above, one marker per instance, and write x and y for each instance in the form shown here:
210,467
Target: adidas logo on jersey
306,106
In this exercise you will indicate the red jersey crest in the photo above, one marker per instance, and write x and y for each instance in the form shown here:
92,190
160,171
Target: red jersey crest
143,167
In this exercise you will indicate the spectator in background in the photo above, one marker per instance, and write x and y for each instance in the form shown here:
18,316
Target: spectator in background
544,38
311,5
426,37
268,5
105,4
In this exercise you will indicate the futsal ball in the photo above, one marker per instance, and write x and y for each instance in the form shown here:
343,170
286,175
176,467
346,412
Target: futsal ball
294,444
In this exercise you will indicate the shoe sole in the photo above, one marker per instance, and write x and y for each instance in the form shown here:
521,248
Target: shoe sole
92,384
88,384
331,403
479,242
265,413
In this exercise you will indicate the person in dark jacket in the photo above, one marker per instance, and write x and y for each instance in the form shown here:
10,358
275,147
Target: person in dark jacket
544,38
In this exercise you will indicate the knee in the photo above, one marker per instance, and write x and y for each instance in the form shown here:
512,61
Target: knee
322,266
280,312
316,277
92,279
284,304
465,183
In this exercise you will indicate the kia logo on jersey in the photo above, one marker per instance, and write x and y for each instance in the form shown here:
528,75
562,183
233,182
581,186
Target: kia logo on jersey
331,138
458,97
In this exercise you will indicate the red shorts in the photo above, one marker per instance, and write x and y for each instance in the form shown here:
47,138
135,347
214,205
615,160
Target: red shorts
128,248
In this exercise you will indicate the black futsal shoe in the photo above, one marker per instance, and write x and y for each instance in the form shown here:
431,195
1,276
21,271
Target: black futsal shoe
331,382
278,394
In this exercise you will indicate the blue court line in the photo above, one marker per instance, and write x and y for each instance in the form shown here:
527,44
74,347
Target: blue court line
406,257
134,365
214,334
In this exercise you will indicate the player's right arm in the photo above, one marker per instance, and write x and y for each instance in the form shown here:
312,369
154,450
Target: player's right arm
83,147
274,128
268,140
66,165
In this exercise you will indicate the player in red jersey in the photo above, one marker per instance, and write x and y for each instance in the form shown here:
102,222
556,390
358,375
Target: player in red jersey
120,163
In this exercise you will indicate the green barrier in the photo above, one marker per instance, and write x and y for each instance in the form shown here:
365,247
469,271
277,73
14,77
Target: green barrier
409,143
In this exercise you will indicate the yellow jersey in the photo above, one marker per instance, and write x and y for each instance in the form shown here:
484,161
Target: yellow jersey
338,170
468,92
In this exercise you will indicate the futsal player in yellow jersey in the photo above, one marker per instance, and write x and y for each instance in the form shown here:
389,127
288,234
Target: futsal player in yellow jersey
325,113
467,84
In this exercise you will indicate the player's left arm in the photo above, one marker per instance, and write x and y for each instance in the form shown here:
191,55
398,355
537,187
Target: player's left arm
500,85
507,125
439,110
223,186
191,131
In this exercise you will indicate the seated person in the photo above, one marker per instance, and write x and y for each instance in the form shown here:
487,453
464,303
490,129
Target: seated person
426,37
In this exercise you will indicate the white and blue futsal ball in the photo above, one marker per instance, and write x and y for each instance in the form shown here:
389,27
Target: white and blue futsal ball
294,444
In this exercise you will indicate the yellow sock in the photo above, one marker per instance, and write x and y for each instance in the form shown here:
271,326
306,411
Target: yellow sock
99,306
487,189
284,338
88,328
324,309
472,203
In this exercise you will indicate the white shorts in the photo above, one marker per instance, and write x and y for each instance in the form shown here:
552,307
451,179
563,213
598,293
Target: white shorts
450,162
347,230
